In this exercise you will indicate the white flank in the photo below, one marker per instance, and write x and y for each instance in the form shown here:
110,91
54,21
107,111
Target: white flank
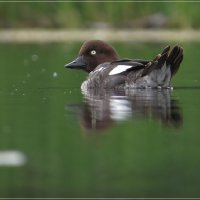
119,69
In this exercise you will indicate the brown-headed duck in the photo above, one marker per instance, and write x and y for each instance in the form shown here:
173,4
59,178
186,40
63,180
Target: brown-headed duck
106,70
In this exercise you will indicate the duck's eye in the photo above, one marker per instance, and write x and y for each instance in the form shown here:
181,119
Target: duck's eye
93,52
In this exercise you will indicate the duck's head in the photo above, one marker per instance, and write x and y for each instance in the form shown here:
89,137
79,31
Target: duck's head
91,54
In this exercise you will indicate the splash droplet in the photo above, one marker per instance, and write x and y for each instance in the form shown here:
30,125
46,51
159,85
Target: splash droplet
34,57
43,70
12,158
55,74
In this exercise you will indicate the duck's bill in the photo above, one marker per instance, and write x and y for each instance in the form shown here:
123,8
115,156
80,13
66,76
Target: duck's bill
78,63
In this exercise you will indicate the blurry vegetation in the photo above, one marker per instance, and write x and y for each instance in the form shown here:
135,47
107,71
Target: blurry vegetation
100,15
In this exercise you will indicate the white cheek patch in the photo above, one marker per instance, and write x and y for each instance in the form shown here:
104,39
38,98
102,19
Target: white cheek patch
119,69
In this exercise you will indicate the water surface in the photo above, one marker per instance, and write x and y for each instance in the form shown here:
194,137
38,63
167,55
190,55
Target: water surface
58,142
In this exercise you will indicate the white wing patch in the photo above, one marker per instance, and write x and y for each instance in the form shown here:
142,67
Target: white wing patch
119,69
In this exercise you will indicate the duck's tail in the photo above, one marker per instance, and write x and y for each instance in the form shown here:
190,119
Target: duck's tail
174,59
164,66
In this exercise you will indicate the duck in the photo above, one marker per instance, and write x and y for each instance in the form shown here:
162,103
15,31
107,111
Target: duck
108,71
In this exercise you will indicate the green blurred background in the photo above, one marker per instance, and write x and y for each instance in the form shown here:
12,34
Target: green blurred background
100,15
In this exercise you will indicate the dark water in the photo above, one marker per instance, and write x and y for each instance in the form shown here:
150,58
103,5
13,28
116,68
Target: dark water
57,142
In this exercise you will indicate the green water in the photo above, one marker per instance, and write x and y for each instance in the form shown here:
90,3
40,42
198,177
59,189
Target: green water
47,120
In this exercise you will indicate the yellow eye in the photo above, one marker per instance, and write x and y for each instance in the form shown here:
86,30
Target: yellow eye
93,52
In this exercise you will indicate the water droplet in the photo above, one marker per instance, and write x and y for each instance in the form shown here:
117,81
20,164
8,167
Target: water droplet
43,70
34,57
6,129
12,158
26,62
55,74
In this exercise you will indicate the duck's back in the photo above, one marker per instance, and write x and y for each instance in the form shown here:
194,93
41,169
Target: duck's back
114,74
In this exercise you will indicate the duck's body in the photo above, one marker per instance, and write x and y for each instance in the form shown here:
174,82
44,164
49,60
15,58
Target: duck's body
106,70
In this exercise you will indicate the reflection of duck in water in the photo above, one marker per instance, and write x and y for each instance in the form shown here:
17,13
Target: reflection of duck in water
100,111
107,71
